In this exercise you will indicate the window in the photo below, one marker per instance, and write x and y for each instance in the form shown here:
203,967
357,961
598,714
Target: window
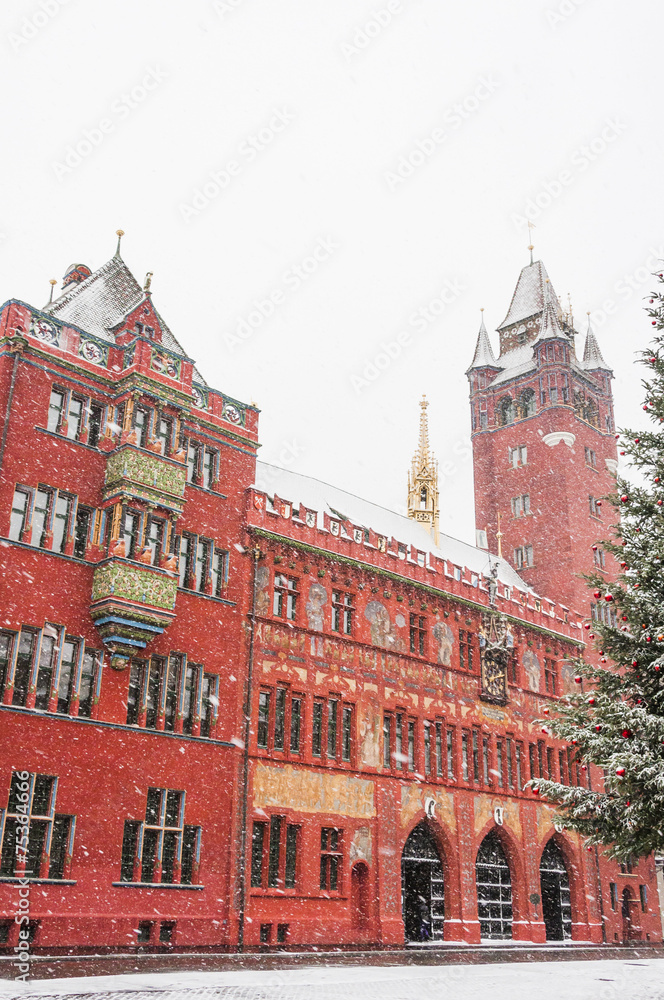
519,766
387,740
594,506
523,556
209,468
6,651
399,757
202,464
465,649
141,425
317,729
599,558
202,568
411,744
427,747
55,410
82,531
160,687
550,675
521,505
164,433
346,732
35,838
68,665
279,718
274,857
88,682
296,723
591,458
418,634
154,538
476,756
95,414
22,672
464,756
643,896
19,515
151,849
41,511
512,666
518,456
342,612
500,762
486,762
451,750
193,461
613,888
75,418
603,613
439,750
131,532
285,597
330,859
506,411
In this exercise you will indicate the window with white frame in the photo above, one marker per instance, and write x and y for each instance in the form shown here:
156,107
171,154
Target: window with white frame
523,556
518,456
521,505
172,695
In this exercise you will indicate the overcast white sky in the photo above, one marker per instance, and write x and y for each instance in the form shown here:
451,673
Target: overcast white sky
157,96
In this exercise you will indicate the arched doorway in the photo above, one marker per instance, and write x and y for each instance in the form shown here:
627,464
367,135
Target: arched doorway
359,895
630,917
494,889
554,883
422,887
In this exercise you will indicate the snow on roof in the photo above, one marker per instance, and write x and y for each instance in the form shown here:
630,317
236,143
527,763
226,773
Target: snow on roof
102,301
321,497
529,295
484,355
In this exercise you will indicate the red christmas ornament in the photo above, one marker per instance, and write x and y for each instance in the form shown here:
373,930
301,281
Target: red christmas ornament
586,626
659,503
623,565
598,729
591,635
597,593
624,618
536,791
624,498
636,440
546,711
620,771
608,597
584,767
622,452
656,479
626,733
628,803
589,848
594,548
578,679
591,701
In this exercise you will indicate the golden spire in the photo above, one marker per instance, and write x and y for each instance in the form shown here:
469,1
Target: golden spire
531,226
423,480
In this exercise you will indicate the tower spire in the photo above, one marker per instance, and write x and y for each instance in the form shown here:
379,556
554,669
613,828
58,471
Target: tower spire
423,479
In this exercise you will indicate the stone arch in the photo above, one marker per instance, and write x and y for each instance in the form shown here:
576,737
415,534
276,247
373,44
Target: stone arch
555,893
506,411
577,885
426,881
513,850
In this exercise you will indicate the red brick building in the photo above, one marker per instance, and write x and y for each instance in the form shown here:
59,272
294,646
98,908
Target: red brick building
157,580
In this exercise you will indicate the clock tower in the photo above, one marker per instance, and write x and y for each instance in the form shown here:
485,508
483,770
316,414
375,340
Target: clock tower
544,452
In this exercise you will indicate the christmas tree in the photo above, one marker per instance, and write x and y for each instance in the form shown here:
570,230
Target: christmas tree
616,720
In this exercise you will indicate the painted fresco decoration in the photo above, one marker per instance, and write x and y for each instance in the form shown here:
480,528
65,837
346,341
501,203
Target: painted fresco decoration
164,364
200,397
316,601
533,670
567,674
310,518
262,590
383,632
93,352
44,330
233,413
444,637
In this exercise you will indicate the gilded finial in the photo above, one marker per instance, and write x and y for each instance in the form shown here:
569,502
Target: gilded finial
52,282
148,282
531,247
119,233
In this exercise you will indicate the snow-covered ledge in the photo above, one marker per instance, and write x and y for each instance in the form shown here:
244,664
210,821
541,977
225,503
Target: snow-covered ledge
553,439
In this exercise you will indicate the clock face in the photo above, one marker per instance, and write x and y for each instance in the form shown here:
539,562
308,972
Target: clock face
494,675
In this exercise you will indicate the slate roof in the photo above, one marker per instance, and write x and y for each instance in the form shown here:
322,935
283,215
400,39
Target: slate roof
99,303
321,497
592,356
529,295
484,355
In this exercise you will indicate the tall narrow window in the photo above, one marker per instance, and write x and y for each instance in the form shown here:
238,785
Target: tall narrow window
291,856
519,766
451,768
68,665
130,532
387,740
61,517
346,732
202,562
81,531
190,698
208,699
464,756
40,517
273,859
55,408
152,692
330,859
295,724
439,749
342,612
184,558
164,433
399,755
279,718
19,515
135,692
209,465
219,571
427,748
172,691
417,634
141,421
332,721
411,744
193,462
86,688
257,841
485,761
45,669
317,729
263,728
476,757
285,596
74,418
23,669
95,420
508,755
154,539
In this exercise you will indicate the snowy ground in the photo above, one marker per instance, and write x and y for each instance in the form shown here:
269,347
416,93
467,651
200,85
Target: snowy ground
602,980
